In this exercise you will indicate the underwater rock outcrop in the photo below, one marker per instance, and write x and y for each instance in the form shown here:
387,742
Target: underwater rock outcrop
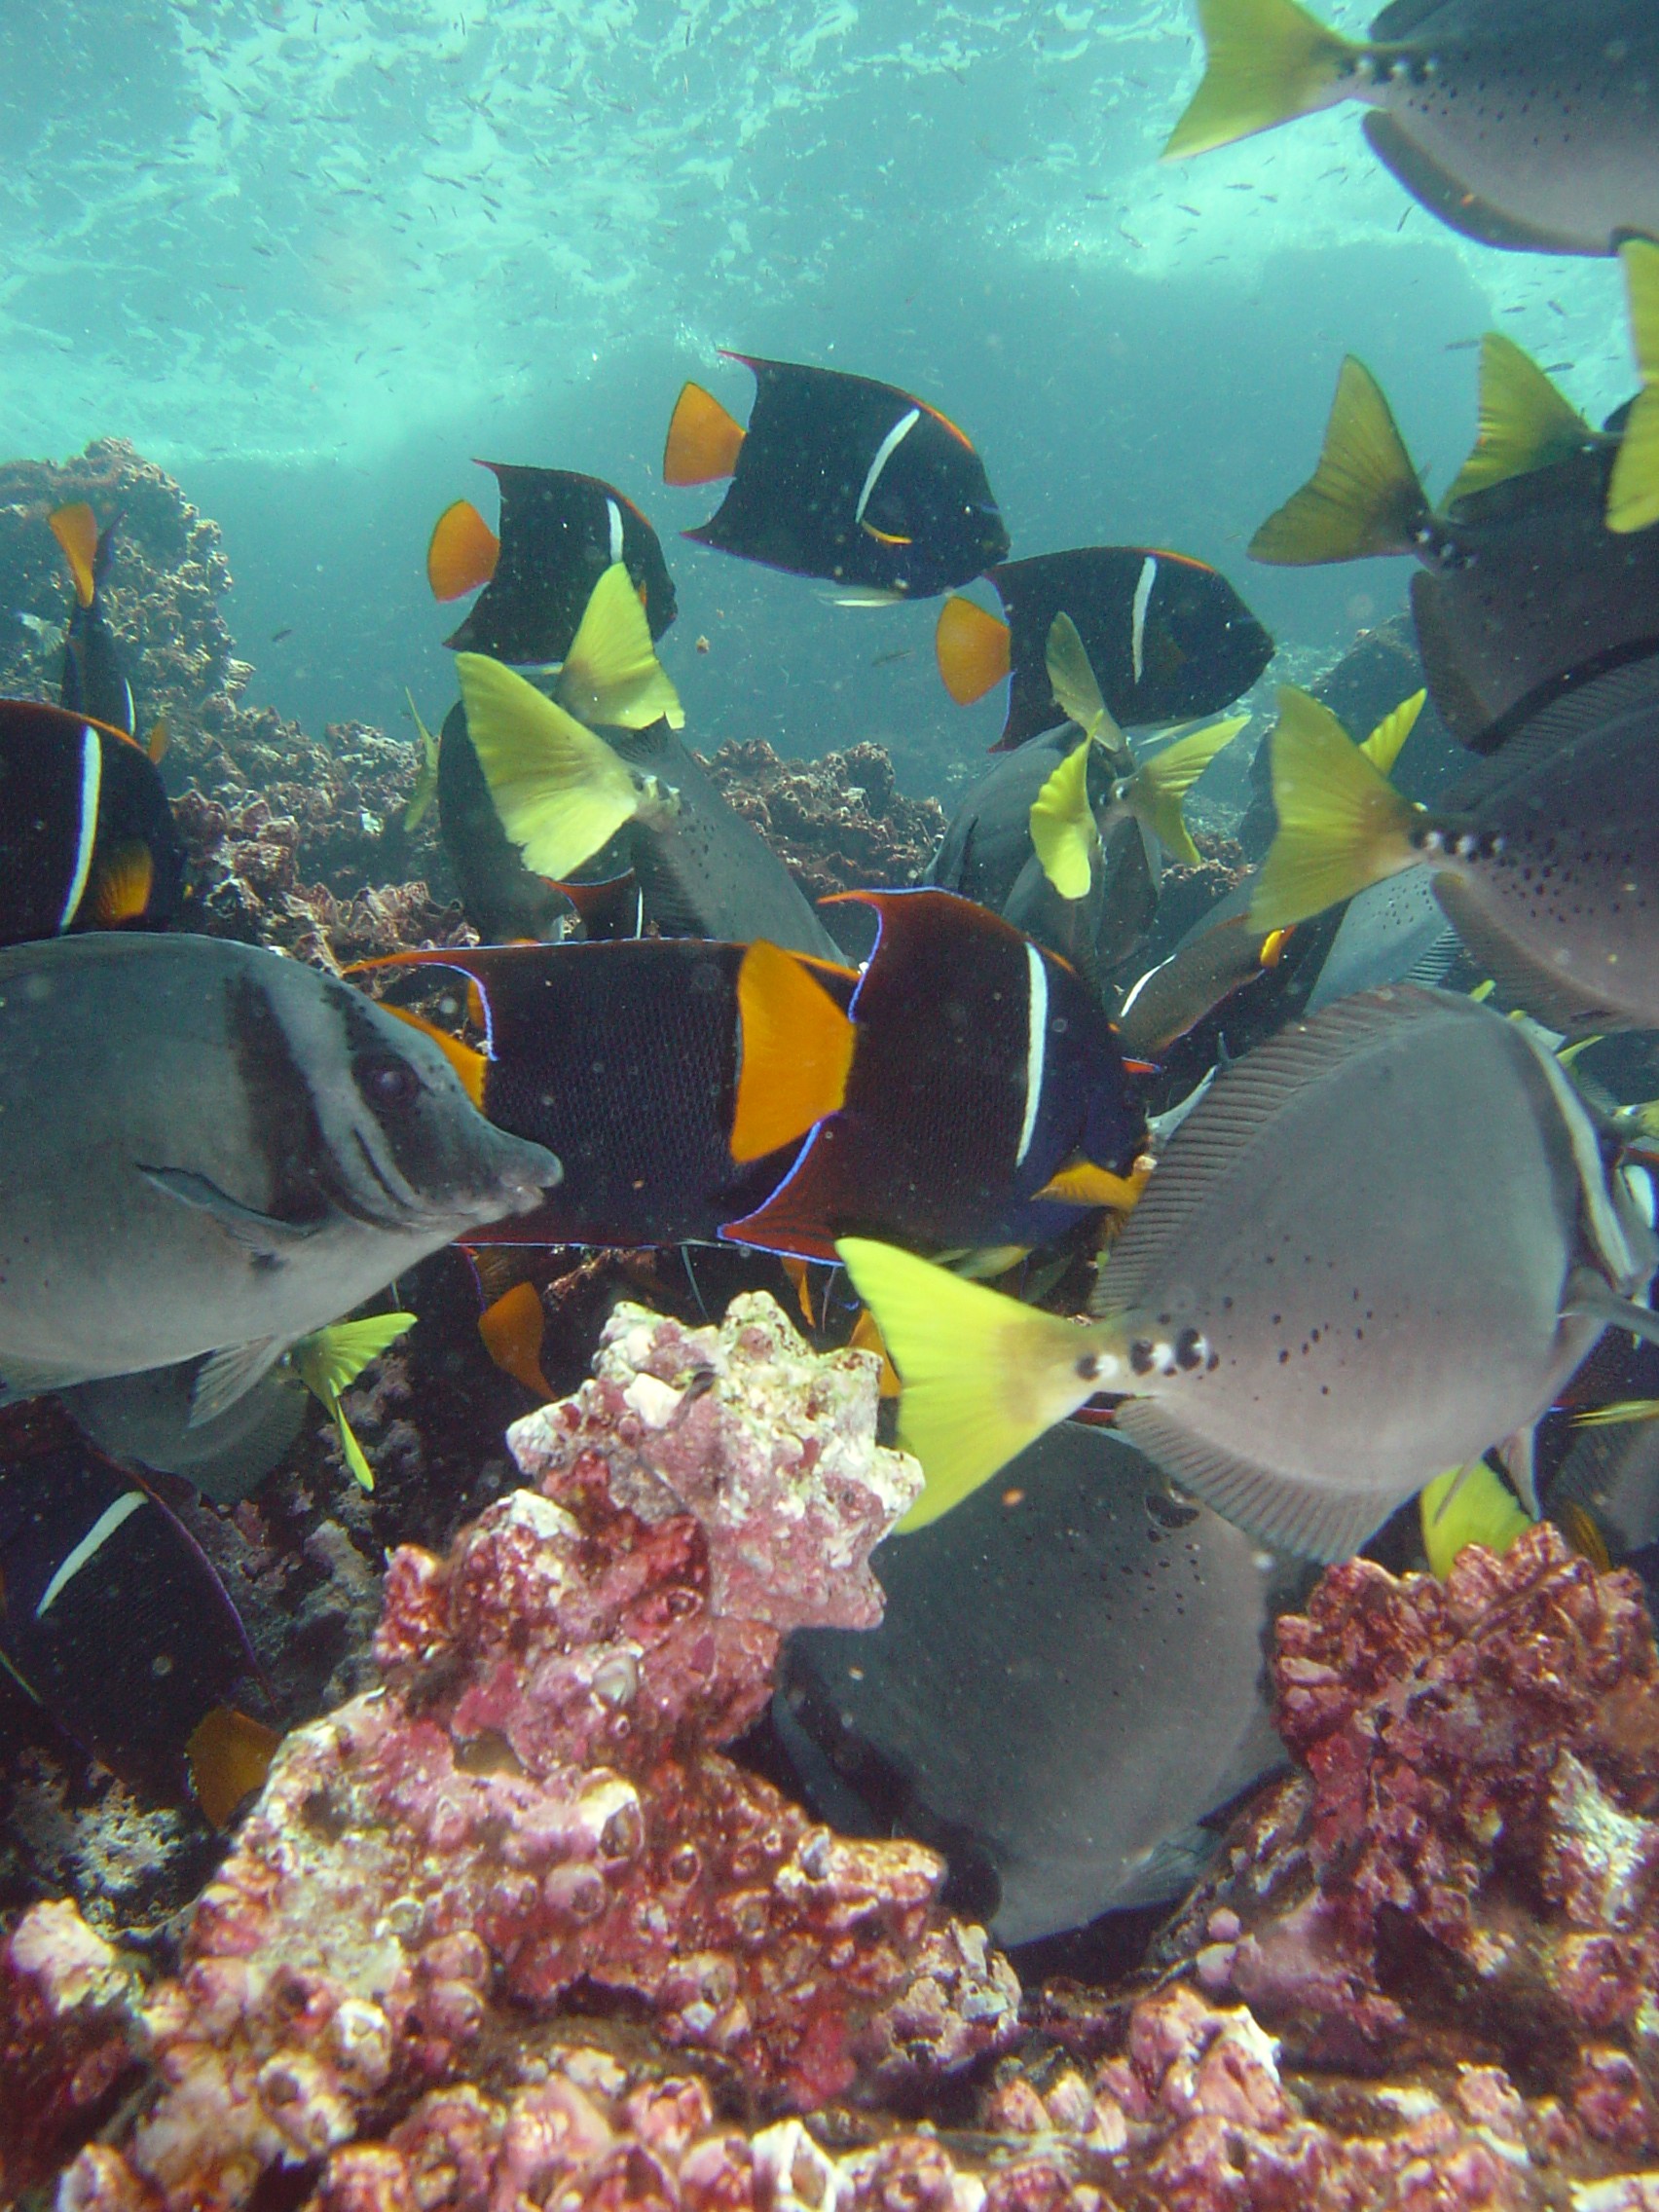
840,823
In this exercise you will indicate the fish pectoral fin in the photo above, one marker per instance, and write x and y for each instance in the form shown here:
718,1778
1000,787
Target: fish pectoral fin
1264,62
32,1378
560,791
1591,1296
1081,1183
1342,825
611,673
1632,494
1063,829
229,1375
1284,1511
261,1235
1159,785
1174,1864
1364,497
1524,423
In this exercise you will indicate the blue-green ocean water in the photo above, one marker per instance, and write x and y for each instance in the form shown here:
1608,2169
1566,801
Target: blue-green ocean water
312,255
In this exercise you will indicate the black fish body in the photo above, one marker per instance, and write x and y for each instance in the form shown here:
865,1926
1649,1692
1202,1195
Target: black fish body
95,670
846,478
504,900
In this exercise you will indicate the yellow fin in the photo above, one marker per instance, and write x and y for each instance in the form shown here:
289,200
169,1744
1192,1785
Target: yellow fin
76,530
1524,423
1583,1532
230,1754
1075,686
1264,62
1363,498
512,1327
1064,828
560,791
1342,825
468,1063
1617,1412
461,552
1081,1183
156,744
611,673
984,1374
330,1358
703,439
425,776
971,647
796,1052
1468,1505
1384,746
1155,791
1632,494
121,886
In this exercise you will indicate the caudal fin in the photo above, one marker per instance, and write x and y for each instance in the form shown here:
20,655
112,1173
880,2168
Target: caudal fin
1632,494
704,440
76,530
1264,62
1342,825
611,673
971,648
1064,828
1364,498
461,552
798,1049
1524,423
560,790
984,1374
1159,785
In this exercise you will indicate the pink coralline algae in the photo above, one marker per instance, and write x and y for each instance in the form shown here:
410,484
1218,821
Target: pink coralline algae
529,1811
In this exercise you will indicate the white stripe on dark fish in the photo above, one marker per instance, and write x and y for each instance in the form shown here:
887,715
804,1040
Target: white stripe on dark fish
884,452
87,830
615,514
91,1544
1036,1040
1137,618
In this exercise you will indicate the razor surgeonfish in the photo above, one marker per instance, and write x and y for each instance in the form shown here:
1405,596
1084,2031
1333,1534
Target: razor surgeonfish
269,1147
87,840
1523,589
559,531
113,1621
1068,1675
94,675
1545,859
1527,123
841,478
1377,1248
1167,637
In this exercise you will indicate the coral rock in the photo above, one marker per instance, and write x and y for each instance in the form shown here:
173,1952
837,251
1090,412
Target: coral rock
66,2039
838,823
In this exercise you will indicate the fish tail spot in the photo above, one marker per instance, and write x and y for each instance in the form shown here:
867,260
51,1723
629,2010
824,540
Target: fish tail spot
1264,62
703,439
461,553
971,648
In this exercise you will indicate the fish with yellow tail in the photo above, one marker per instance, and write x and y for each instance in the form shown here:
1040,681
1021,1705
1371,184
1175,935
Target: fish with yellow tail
1378,1246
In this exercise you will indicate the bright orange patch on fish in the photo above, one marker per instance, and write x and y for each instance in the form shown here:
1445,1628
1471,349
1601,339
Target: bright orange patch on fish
463,552
971,648
703,439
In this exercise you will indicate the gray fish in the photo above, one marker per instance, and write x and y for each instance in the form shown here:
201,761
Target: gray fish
1063,1686
210,1148
1612,1474
1394,933
1529,124
147,1419
1379,1246
1545,860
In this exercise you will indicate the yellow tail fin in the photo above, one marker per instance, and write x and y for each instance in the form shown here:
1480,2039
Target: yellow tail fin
1342,825
1072,680
1468,1505
1364,498
426,775
76,530
1158,786
1524,423
611,673
1064,828
984,1374
1264,62
1633,496
560,790
330,1358
1384,746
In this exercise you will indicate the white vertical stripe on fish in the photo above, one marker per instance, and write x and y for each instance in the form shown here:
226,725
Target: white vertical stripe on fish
1036,1039
884,452
615,514
91,1544
1137,618
87,830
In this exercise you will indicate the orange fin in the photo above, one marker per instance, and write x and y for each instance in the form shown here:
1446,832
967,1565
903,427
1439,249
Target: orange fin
704,441
866,1337
1080,1183
800,1275
971,648
76,530
512,1330
121,887
796,1052
468,1063
230,1754
156,744
463,552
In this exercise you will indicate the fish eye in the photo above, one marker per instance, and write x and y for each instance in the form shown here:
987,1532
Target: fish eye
388,1082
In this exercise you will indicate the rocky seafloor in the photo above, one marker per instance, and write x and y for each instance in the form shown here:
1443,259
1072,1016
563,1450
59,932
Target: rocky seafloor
518,1920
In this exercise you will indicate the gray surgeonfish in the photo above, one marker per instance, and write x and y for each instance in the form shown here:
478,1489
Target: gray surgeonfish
1529,124
1069,1674
1545,860
147,1419
1379,1246
210,1148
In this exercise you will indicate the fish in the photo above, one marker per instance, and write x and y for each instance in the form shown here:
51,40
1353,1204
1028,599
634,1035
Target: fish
1220,955
1393,933
87,840
559,531
1523,590
1544,859
562,794
1532,124
1068,1677
1167,636
841,478
94,675
272,1148
1610,1476
112,1619
1378,1246
1464,1507
425,775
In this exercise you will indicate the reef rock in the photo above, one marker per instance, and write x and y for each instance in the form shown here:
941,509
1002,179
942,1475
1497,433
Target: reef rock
840,823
